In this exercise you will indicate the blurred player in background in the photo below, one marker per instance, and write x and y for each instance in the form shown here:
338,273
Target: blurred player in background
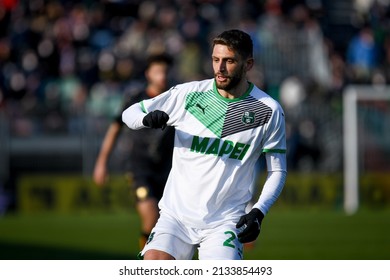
150,155
222,127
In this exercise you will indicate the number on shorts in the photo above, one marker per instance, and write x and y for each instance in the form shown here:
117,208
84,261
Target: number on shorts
228,242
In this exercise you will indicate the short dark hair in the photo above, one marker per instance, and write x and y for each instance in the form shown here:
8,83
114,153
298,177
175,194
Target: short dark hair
237,40
159,58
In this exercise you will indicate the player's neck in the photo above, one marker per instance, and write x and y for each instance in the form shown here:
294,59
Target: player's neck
235,92
153,91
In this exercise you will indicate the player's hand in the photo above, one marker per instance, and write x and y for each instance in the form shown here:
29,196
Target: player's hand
100,174
156,119
252,224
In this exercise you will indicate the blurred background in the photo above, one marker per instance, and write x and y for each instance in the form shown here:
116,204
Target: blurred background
66,66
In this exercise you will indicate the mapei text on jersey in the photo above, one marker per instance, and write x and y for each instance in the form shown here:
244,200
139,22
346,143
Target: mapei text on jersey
219,147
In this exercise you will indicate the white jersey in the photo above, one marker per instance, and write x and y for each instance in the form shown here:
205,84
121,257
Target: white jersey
217,144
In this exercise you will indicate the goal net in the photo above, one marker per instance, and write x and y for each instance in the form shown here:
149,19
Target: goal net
366,130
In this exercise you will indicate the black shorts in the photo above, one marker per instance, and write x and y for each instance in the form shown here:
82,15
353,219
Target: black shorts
147,186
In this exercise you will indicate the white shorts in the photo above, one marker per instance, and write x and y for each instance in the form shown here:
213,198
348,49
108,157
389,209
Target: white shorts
180,241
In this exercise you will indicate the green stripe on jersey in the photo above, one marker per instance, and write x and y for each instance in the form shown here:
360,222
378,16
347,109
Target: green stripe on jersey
224,116
278,151
208,109
143,107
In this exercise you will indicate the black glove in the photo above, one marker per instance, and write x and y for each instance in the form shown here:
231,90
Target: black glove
156,119
252,221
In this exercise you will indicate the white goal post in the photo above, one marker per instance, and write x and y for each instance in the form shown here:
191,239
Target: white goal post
351,96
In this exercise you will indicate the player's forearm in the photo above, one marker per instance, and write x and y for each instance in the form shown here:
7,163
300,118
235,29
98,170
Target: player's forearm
273,186
133,117
108,142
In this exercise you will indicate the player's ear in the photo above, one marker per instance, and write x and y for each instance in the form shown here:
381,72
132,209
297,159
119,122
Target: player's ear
147,73
249,64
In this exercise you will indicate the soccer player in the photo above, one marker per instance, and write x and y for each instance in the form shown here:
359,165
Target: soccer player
222,127
150,155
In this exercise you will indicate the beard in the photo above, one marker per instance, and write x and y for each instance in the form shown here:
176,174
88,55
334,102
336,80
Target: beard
231,81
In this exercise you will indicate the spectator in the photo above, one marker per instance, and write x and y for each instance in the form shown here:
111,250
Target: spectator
362,55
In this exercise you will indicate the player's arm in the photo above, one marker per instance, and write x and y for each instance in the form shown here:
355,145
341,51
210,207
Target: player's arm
133,116
110,138
136,118
274,183
274,149
273,186
164,109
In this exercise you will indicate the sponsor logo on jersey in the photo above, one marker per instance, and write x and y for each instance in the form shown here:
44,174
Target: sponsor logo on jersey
203,108
219,147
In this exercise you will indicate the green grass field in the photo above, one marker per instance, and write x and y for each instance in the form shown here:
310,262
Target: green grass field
310,234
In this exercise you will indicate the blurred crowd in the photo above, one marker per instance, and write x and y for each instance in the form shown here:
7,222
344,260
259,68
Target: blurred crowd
64,60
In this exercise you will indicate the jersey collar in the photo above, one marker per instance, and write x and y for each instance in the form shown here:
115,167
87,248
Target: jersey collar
234,99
